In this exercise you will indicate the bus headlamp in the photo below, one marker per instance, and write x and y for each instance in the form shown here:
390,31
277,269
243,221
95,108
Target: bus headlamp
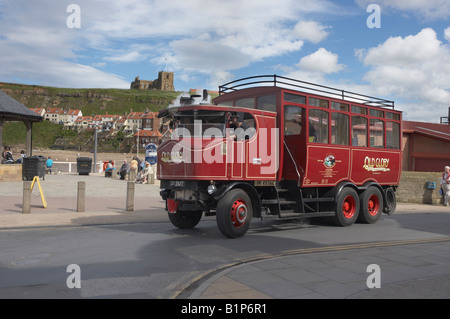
211,189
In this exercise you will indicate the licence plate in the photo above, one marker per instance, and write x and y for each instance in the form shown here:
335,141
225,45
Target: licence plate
265,183
177,183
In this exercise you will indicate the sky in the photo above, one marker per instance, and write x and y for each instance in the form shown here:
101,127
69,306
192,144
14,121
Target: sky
397,50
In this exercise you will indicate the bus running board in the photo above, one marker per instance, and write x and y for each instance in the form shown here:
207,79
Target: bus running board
316,200
276,201
290,214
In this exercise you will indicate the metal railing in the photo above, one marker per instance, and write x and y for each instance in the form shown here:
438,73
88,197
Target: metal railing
69,167
295,165
307,87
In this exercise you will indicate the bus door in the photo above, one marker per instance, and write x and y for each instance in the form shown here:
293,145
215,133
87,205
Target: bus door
294,142
254,148
237,163
241,130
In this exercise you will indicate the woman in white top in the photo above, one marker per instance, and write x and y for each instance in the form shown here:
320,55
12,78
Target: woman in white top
445,184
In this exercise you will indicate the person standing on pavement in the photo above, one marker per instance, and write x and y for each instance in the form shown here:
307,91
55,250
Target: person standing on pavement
445,185
49,164
134,167
140,164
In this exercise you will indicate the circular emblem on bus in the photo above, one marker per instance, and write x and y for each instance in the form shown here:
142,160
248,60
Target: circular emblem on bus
329,161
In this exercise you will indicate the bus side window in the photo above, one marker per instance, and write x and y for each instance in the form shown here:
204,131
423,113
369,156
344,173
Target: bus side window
293,120
376,133
393,135
250,124
318,126
339,129
359,131
267,102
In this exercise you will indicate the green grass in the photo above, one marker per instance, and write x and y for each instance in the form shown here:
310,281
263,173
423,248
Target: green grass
44,133
90,101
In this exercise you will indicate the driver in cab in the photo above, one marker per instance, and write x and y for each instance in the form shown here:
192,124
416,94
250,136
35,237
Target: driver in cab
239,127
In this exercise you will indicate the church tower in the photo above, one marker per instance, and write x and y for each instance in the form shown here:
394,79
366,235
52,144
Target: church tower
165,80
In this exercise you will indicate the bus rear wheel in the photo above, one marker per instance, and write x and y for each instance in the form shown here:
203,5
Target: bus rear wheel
371,205
234,213
185,219
391,201
347,207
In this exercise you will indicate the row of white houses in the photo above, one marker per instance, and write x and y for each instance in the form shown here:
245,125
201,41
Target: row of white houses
74,119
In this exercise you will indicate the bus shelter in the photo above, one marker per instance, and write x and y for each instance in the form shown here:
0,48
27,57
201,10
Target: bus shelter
12,110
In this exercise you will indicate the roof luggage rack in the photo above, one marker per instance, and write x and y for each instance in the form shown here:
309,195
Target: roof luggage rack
307,87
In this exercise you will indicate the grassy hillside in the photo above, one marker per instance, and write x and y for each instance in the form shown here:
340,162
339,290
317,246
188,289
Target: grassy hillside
90,101
44,134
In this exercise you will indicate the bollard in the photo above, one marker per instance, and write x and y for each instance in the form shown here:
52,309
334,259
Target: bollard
130,196
152,177
81,195
132,175
26,206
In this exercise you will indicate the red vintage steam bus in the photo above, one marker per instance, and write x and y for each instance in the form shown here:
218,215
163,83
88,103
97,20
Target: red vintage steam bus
272,147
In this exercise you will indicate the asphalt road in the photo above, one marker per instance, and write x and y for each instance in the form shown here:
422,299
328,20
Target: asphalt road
157,261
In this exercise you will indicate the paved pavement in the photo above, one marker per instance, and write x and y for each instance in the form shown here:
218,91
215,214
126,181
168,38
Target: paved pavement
105,202
409,269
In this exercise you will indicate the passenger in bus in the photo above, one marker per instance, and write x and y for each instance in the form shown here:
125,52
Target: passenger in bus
445,184
312,130
298,119
240,127
312,133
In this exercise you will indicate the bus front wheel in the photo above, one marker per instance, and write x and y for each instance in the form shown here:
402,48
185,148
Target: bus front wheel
234,213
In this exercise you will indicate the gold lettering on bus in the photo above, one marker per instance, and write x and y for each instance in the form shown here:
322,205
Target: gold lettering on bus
172,157
376,164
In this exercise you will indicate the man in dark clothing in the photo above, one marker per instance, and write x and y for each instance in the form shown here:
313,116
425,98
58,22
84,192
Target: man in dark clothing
240,127
124,169
7,156
139,163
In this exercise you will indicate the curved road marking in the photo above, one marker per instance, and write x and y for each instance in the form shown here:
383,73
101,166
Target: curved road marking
198,280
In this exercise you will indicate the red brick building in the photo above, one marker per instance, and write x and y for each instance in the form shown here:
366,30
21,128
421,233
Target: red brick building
426,146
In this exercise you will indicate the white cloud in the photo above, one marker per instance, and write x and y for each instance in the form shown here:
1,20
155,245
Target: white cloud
413,68
447,34
216,38
203,56
195,17
247,31
214,35
127,57
321,61
220,77
411,50
39,48
314,68
311,31
35,68
428,9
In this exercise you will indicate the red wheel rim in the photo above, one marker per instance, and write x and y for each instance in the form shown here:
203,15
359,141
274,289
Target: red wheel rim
238,213
349,207
373,205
